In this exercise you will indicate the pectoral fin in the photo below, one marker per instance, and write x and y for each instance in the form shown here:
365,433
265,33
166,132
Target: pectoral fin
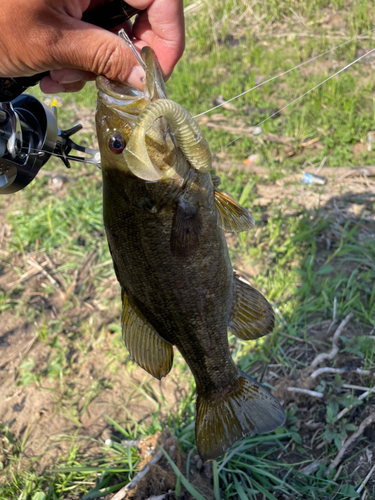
231,217
186,230
146,347
252,315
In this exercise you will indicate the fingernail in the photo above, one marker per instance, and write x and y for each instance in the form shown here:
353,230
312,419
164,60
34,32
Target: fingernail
70,78
136,77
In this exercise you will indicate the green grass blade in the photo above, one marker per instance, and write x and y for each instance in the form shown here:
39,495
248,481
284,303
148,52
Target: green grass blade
189,487
216,480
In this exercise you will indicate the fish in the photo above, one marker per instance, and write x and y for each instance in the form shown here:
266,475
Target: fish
165,220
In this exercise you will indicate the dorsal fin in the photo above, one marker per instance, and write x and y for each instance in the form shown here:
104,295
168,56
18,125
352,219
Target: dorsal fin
252,315
146,347
232,218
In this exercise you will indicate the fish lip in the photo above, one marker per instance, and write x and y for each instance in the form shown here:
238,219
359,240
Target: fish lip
117,90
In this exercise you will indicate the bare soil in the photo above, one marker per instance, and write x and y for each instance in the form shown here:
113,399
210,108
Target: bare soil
99,384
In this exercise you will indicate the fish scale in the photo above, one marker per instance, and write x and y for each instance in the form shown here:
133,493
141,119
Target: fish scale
169,251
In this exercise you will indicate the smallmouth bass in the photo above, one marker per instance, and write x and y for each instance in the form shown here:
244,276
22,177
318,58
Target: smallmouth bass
165,219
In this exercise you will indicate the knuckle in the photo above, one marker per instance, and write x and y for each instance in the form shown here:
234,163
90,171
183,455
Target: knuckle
109,61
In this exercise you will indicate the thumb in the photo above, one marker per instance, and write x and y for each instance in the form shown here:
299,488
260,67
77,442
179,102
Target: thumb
89,48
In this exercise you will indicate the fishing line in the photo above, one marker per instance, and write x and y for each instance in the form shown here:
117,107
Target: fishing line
42,152
284,73
298,98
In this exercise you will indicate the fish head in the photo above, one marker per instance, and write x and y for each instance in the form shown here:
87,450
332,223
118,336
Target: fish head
118,109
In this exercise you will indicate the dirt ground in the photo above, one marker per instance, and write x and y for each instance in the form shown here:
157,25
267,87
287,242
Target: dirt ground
98,384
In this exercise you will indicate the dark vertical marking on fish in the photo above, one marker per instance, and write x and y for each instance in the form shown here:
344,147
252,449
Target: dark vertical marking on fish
186,228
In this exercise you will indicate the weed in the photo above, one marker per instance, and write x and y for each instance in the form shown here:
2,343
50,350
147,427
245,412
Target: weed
304,258
336,430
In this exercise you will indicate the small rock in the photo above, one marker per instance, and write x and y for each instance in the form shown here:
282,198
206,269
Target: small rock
207,468
199,464
172,451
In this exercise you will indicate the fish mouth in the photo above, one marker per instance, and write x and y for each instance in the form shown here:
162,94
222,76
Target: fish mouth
117,93
122,100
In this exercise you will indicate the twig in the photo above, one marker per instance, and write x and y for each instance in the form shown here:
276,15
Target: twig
280,314
313,394
17,393
284,450
311,468
333,315
335,347
294,338
337,475
365,481
121,494
362,396
355,387
27,274
130,442
367,421
40,268
321,371
20,353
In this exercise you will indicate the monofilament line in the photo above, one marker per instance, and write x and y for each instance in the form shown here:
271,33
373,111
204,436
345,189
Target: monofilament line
298,98
122,33
284,73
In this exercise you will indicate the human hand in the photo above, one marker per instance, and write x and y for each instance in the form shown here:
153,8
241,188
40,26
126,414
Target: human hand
42,35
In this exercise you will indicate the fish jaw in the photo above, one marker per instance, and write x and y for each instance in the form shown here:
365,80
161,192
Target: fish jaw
117,115
118,107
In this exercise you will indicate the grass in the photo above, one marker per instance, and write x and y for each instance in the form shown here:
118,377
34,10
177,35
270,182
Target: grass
312,263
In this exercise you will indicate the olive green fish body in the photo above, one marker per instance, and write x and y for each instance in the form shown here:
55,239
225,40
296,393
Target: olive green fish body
165,220
189,309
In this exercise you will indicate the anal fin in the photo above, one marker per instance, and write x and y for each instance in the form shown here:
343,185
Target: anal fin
231,216
223,419
252,315
146,347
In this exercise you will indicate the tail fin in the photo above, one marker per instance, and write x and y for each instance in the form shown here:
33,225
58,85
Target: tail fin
221,421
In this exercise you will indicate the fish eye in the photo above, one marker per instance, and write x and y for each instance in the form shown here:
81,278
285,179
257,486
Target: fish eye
116,143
